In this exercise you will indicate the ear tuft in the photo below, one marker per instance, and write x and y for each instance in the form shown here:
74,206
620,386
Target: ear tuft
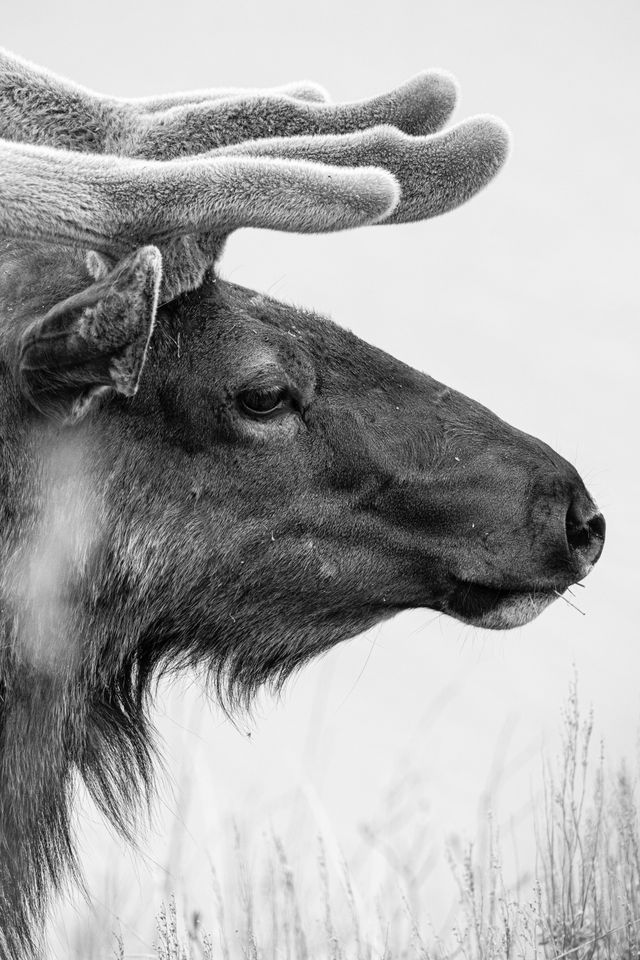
94,341
97,265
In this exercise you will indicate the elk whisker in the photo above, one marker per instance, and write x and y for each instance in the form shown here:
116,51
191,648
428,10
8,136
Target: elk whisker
562,597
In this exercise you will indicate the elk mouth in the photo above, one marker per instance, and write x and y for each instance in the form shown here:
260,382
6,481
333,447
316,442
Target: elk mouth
498,608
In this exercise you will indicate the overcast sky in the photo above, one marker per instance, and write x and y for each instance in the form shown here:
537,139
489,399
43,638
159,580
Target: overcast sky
525,299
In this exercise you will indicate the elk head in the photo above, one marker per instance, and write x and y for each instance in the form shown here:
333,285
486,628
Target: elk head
228,480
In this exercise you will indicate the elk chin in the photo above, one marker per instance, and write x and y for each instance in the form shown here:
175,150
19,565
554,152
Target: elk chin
497,609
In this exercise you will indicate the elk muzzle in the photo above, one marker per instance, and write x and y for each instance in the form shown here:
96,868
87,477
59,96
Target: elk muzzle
528,551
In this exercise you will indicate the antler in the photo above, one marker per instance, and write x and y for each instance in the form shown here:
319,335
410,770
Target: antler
435,173
38,107
113,204
420,106
231,158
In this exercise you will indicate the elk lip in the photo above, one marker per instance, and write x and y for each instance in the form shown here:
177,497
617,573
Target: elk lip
498,608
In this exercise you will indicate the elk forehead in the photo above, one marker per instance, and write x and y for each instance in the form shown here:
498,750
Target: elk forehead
247,350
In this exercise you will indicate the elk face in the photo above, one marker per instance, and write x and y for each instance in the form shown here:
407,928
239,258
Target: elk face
295,485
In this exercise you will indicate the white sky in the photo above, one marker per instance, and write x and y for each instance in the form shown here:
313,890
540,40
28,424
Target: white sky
525,299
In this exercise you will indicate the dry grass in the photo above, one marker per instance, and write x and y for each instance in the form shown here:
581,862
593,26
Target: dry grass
583,903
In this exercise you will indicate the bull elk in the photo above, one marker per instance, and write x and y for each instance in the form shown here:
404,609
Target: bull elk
196,474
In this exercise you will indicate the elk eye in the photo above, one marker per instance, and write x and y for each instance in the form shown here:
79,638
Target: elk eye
264,402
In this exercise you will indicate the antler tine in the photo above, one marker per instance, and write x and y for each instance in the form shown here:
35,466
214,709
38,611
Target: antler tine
421,105
435,173
112,204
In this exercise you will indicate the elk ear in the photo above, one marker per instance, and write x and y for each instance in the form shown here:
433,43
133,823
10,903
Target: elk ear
94,341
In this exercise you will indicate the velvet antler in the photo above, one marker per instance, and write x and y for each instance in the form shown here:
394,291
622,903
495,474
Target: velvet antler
114,204
38,107
298,163
436,173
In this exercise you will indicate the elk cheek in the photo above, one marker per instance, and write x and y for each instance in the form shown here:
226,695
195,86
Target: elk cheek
193,421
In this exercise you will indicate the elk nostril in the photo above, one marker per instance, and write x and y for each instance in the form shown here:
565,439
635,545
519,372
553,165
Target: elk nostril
584,533
597,526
